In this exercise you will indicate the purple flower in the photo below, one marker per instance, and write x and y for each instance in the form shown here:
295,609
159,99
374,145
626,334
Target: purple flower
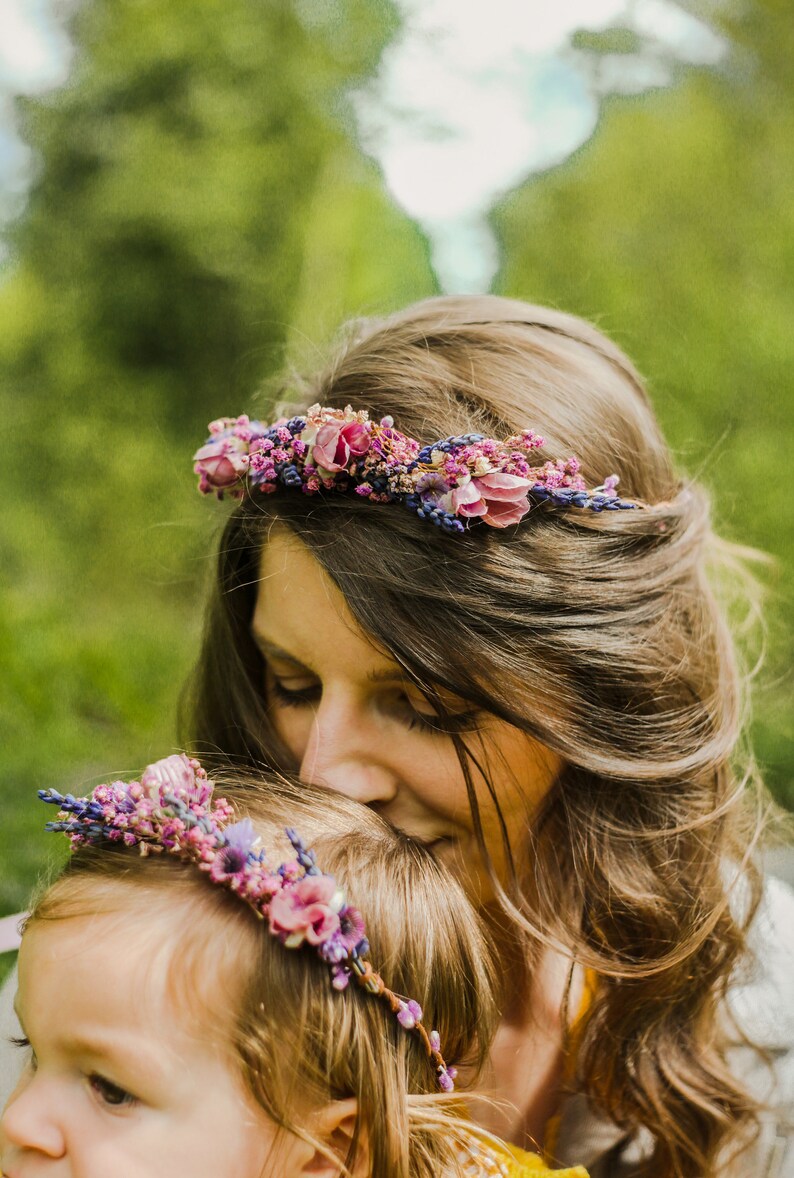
431,486
351,928
340,977
409,1014
231,860
334,950
241,835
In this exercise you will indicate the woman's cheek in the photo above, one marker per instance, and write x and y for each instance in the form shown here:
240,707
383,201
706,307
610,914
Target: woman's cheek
293,726
431,767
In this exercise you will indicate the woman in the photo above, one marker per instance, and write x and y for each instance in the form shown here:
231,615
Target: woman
553,705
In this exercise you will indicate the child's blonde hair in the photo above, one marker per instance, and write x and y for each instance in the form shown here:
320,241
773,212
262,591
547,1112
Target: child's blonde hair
298,1042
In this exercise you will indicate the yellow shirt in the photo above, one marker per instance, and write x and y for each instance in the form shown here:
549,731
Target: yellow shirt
520,1164
512,1162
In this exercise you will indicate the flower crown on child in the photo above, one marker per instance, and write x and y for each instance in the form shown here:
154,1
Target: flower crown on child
172,809
452,482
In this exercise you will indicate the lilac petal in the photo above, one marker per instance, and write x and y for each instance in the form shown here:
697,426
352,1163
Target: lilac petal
433,482
340,976
241,835
405,1017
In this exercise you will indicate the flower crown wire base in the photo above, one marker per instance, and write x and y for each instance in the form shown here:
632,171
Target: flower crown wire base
172,809
452,483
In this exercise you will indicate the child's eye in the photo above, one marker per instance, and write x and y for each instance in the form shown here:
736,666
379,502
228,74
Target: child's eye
110,1093
24,1044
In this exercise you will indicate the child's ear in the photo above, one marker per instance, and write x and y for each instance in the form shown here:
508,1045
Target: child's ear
335,1125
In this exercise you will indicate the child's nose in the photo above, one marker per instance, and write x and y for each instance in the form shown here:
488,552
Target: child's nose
30,1123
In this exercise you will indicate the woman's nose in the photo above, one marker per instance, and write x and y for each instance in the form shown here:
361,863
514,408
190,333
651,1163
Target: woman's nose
30,1124
344,753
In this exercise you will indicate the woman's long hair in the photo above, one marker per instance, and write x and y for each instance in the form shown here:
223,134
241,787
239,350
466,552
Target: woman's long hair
600,636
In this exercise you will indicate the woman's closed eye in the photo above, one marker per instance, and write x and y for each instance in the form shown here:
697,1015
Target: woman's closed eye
448,725
301,692
294,692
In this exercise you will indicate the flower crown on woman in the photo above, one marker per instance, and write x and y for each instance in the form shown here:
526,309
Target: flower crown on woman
452,482
172,809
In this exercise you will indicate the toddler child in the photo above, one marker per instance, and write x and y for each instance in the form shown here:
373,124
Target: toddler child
196,1007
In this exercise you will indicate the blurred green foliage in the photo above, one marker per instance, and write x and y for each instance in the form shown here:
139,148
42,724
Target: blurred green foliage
673,228
200,202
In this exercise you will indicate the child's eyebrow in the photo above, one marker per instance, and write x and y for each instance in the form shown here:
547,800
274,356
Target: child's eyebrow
110,1050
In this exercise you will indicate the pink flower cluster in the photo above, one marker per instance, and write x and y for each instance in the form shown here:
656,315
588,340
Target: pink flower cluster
314,910
137,812
454,482
473,478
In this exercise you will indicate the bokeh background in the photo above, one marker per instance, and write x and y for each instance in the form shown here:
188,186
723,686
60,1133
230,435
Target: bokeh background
192,194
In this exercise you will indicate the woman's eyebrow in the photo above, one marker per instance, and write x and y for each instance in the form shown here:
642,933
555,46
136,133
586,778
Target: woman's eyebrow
272,650
396,676
388,675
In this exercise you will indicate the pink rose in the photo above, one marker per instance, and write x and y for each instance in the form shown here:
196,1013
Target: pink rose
498,499
467,501
305,911
506,487
501,514
221,463
337,441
